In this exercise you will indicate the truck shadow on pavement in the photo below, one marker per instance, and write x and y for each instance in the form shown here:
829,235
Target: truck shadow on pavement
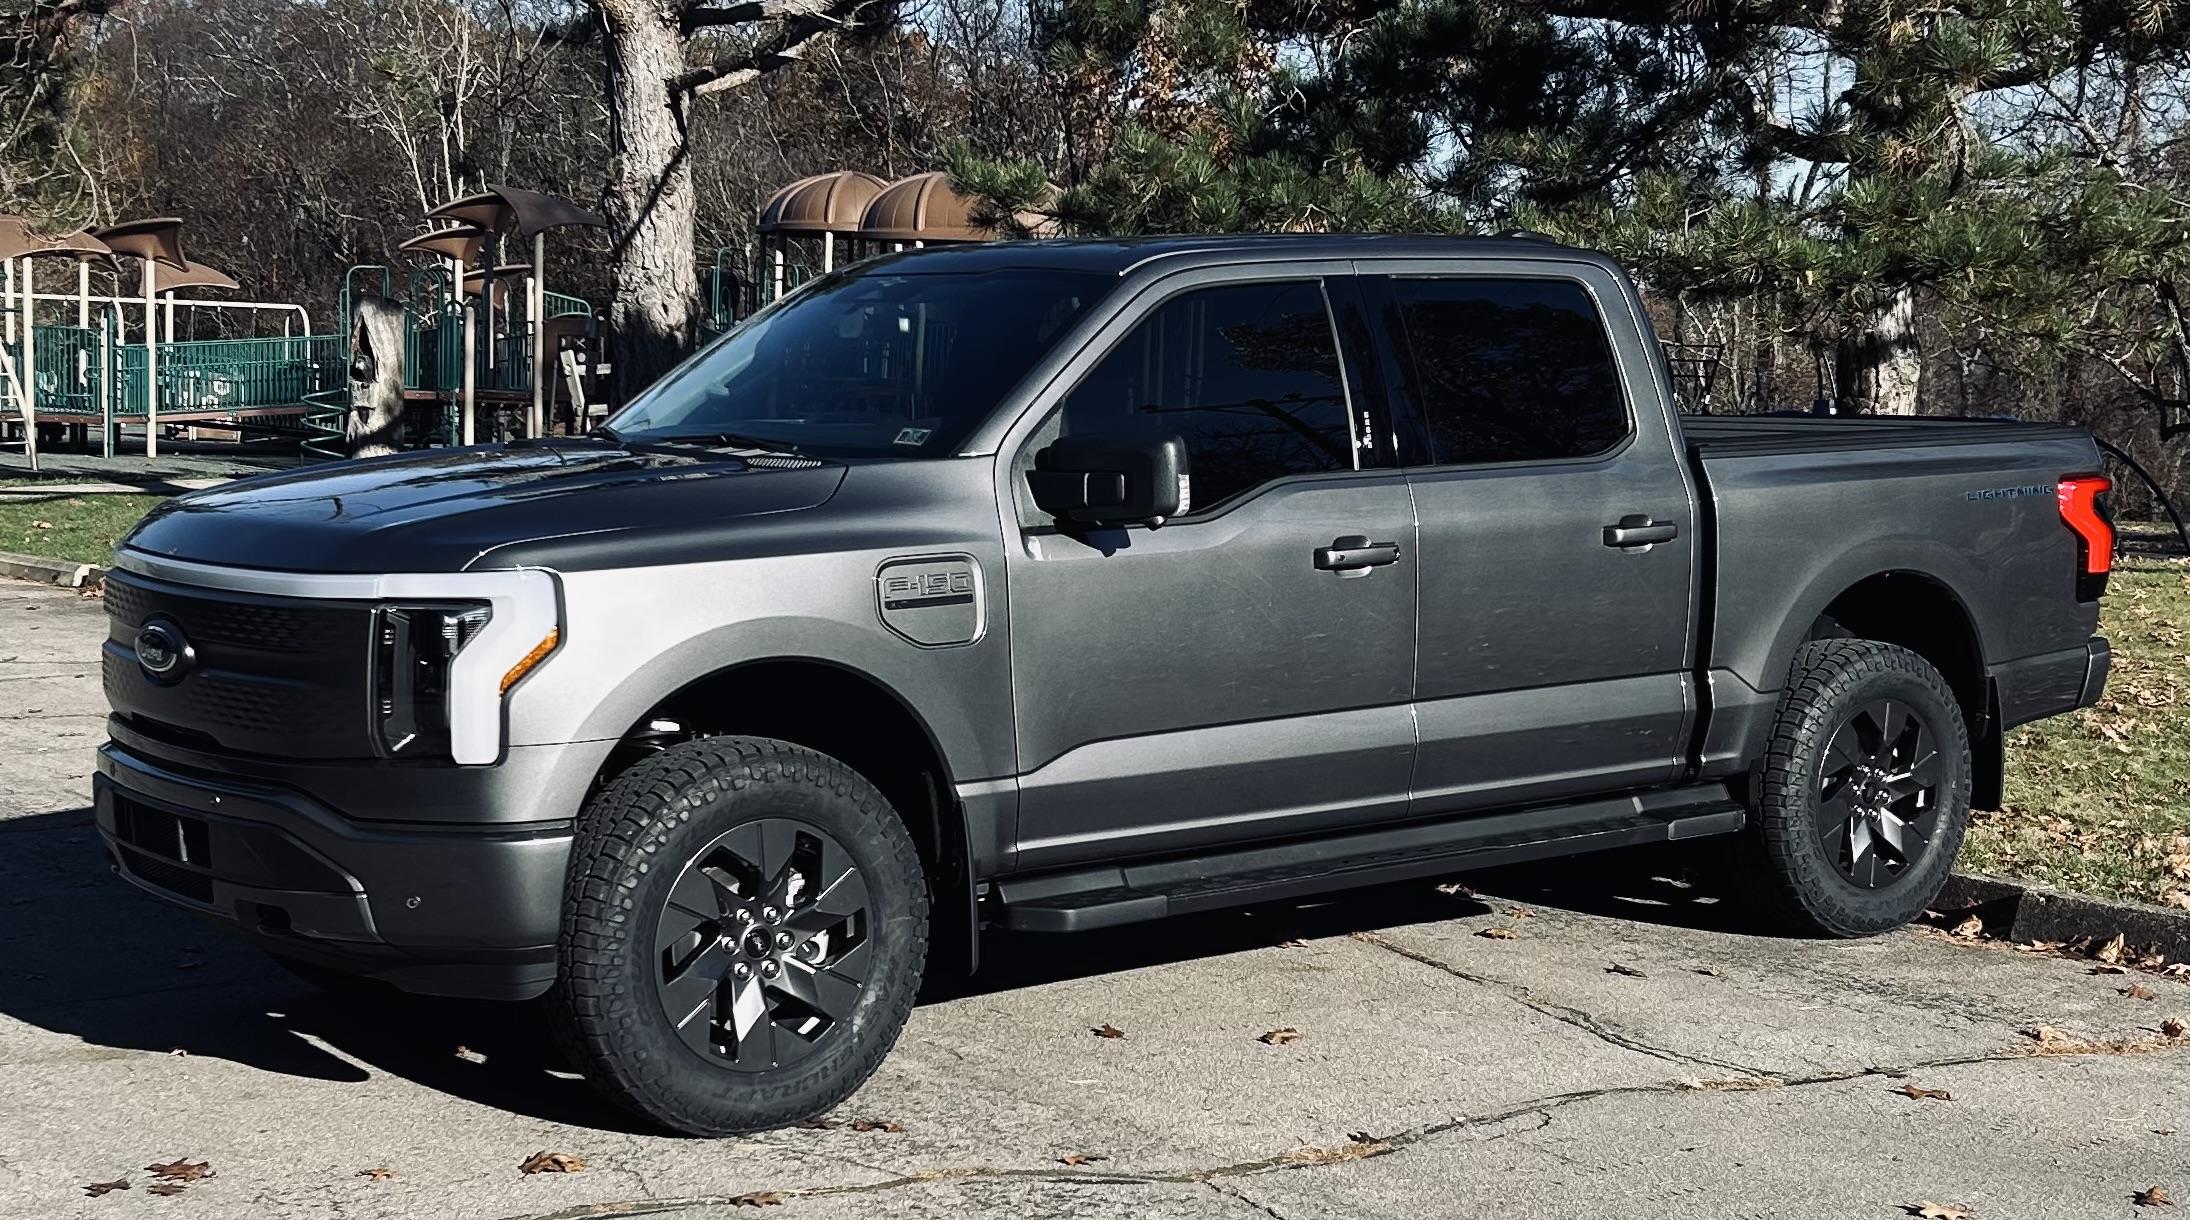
83,954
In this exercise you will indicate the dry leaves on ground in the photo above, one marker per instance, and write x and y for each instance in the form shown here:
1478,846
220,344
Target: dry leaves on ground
2151,1196
2138,991
178,1052
378,1174
552,1162
1629,971
181,1170
1928,1210
2110,970
165,1188
1294,943
1919,1093
2043,1035
2173,1027
1080,1158
95,1189
1106,1030
888,1126
1456,889
1496,934
2114,950
1279,1036
1968,929
758,1198
1520,913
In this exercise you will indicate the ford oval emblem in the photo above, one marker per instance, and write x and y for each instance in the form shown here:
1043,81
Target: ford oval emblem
161,649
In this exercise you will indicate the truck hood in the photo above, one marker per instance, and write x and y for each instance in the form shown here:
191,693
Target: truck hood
452,509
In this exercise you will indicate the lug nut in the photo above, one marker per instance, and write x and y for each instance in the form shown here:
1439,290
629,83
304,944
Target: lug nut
769,914
742,970
742,915
768,969
783,940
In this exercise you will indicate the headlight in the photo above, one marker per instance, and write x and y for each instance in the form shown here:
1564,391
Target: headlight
414,651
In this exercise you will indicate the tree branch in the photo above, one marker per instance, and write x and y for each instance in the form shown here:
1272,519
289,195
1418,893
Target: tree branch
804,21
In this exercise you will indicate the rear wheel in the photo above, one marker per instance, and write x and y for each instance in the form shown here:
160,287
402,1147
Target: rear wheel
1862,798
743,936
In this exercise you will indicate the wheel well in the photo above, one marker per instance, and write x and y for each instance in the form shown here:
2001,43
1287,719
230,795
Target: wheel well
841,713
1918,613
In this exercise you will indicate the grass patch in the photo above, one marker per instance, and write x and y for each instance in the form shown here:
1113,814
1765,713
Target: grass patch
83,529
2099,801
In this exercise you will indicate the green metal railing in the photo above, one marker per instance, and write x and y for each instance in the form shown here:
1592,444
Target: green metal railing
230,374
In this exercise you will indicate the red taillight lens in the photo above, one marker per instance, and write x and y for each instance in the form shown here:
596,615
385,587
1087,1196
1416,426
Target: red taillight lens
2082,514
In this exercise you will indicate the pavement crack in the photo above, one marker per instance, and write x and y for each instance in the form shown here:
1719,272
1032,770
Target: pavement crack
1561,1013
1232,1192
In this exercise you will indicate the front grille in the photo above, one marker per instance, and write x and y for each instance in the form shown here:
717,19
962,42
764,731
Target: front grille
184,839
173,878
269,676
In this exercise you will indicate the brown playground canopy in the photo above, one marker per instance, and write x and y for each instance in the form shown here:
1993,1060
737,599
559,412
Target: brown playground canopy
195,275
823,203
529,212
460,242
925,208
158,239
18,241
504,276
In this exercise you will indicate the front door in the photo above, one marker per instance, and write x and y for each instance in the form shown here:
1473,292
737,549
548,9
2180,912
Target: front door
1557,537
1242,671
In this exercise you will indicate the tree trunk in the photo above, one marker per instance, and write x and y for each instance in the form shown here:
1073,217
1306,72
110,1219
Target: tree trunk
654,301
375,422
1876,365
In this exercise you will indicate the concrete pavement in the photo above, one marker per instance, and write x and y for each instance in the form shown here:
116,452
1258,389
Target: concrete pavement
1438,1072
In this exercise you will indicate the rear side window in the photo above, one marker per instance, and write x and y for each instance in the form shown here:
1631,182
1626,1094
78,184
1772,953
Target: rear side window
1248,374
1510,370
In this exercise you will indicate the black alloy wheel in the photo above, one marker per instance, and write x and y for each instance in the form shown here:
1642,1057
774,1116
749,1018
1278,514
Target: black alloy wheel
763,944
1878,802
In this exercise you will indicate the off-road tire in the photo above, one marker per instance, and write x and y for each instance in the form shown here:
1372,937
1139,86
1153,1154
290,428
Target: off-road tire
633,840
1787,862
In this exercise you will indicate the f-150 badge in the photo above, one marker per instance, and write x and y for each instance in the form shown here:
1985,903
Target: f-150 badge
933,602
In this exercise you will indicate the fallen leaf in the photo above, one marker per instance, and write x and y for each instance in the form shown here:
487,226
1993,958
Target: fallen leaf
181,1170
178,1052
1496,934
2110,970
1080,1158
2138,991
1295,943
1919,1093
1520,913
380,1174
2043,1034
469,1055
1629,971
2113,950
41,525
1928,1210
1456,889
2151,1196
552,1162
95,1189
1107,1030
1279,1036
2179,970
165,1188
1712,972
2172,1027
758,1198
878,1124
1968,929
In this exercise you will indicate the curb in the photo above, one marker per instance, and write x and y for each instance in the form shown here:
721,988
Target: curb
63,572
2035,912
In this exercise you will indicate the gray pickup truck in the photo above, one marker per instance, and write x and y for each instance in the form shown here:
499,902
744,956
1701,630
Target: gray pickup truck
1062,585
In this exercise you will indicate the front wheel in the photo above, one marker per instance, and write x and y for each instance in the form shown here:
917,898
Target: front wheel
1862,797
743,935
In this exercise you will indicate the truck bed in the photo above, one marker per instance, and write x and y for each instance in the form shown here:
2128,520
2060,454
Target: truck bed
1757,435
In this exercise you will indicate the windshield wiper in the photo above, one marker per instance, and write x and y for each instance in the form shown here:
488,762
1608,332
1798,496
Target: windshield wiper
730,440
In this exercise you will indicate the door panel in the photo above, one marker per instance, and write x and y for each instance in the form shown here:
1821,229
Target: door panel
1553,652
1205,681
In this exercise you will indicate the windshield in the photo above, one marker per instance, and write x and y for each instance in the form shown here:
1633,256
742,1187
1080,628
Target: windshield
867,365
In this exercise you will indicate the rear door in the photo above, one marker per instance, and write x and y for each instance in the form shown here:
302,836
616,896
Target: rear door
1213,680
1557,533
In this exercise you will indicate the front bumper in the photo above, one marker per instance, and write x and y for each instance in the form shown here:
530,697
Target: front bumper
450,910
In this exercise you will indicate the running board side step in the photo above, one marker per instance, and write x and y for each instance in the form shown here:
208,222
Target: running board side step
1086,899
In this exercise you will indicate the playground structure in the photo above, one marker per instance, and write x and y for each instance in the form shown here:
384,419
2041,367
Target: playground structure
489,351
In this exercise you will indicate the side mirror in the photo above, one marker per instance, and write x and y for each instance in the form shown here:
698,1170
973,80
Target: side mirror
1109,480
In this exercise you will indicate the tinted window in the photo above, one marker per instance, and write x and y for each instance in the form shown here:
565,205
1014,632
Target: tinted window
870,364
1248,374
1510,370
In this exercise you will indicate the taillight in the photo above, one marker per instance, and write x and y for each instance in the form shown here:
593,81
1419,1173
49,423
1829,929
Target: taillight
2086,518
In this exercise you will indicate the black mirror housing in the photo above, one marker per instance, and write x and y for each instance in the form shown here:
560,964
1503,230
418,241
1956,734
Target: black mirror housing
1109,479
